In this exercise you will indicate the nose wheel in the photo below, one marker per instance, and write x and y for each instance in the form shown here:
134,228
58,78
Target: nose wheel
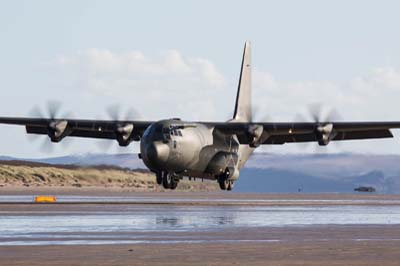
159,177
169,180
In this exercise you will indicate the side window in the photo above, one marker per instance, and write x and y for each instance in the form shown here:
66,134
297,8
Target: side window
175,132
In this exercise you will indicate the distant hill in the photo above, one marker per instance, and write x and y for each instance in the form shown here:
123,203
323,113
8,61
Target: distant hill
328,165
321,173
125,160
283,173
281,181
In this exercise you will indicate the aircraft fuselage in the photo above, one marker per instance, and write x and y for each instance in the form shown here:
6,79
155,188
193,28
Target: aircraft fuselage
191,149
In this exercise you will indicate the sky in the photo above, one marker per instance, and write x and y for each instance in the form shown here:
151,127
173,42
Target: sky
182,59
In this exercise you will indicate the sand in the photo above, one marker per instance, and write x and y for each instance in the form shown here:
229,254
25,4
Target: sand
311,246
293,245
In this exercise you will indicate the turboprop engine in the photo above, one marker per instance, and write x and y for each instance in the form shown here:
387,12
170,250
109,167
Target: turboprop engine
125,134
324,134
255,134
57,130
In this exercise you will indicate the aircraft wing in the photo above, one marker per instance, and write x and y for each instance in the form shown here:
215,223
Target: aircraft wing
256,134
57,129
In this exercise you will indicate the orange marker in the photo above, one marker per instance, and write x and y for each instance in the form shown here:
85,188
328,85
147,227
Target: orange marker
45,199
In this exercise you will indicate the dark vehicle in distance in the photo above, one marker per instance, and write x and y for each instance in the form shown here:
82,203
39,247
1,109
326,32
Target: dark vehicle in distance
365,189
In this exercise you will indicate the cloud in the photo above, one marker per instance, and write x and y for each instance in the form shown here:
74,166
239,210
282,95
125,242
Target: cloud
174,85
172,82
161,84
373,95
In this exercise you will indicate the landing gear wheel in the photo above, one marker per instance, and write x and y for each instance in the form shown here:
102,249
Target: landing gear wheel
230,186
166,180
170,181
159,177
223,183
174,183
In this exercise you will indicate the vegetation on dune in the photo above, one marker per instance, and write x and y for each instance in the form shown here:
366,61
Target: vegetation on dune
26,174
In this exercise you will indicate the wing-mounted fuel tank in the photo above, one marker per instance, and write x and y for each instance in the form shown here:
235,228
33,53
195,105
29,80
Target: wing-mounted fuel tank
224,163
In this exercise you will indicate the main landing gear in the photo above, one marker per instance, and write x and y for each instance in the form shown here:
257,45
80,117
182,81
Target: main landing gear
224,183
167,180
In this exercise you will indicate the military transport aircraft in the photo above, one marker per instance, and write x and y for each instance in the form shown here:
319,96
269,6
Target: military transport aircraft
174,149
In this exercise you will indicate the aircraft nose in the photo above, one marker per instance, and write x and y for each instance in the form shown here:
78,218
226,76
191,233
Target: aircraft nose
157,152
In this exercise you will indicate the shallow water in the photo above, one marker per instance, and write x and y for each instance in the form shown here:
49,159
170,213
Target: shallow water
150,223
155,218
153,199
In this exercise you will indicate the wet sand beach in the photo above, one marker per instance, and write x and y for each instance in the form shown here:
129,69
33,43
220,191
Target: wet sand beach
200,229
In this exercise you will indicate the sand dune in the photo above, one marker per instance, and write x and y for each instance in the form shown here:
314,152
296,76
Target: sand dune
16,174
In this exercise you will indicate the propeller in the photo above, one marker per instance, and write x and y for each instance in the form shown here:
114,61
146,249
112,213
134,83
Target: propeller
51,112
259,115
115,113
316,111
323,116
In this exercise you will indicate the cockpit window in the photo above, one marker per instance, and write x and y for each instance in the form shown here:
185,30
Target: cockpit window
148,130
155,130
158,127
159,131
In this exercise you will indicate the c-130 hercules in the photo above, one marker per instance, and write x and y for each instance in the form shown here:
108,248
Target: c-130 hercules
174,149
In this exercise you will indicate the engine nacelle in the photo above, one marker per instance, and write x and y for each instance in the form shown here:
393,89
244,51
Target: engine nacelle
124,134
256,135
324,134
57,130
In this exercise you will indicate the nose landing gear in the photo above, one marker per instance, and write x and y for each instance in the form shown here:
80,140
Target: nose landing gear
159,178
167,180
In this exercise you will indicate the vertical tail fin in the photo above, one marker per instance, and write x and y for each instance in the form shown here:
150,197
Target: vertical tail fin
243,98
